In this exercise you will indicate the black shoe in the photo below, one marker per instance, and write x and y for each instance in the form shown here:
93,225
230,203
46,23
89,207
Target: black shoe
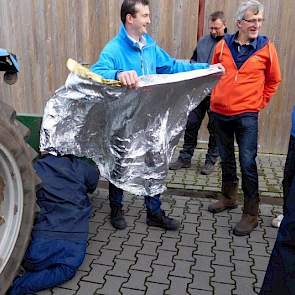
207,169
117,218
179,164
161,220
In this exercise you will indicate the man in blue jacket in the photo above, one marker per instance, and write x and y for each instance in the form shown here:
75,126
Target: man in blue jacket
202,53
133,53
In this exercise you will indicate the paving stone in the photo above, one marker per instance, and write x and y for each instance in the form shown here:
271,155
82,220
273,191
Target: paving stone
222,274
160,274
222,289
257,236
137,280
128,252
205,236
198,292
94,247
205,214
270,245
133,211
206,224
182,269
185,253
143,263
87,288
134,239
106,257
169,244
154,235
177,212
149,248
99,217
271,232
244,286
121,268
115,243
258,249
243,268
191,218
203,263
112,285
222,258
193,209
60,291
49,292
240,241
223,245
204,248
187,240
222,232
222,220
85,266
103,235
97,274
125,291
260,262
259,278
189,228
241,253
201,280
178,286
165,258
140,228
155,289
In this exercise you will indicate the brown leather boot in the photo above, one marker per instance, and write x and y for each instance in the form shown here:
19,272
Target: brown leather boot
249,218
228,199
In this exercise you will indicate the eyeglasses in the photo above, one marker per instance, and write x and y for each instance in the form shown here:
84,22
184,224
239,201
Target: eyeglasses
254,21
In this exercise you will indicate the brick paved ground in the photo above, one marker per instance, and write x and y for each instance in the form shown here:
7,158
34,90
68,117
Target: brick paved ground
202,258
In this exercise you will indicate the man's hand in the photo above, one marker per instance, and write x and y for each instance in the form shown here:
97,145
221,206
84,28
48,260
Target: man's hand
128,78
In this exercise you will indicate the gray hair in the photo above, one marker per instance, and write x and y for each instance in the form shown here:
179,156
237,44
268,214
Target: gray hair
252,5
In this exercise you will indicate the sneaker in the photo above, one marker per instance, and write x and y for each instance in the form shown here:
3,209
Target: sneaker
207,169
161,220
179,164
276,222
117,218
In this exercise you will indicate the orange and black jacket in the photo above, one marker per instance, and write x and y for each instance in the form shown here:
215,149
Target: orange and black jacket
248,88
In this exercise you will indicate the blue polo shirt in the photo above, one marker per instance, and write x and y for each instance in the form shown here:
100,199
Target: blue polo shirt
241,53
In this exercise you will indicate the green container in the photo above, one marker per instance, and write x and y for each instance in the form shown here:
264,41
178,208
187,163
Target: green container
33,122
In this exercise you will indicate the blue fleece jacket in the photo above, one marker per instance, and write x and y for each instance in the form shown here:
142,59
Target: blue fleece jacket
122,54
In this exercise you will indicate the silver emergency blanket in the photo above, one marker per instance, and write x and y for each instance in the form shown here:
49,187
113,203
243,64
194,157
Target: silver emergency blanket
129,133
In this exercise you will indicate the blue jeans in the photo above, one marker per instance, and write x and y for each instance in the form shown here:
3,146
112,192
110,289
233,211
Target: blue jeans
153,204
193,125
244,128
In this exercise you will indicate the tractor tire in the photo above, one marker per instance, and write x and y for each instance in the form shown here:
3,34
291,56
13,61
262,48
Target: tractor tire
17,195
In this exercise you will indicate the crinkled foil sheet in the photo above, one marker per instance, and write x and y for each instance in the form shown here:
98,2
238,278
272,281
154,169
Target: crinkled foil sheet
129,133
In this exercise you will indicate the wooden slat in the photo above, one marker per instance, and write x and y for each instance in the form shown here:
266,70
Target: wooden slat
44,33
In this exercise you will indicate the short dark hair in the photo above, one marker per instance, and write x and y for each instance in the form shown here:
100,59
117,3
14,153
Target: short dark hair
128,7
217,15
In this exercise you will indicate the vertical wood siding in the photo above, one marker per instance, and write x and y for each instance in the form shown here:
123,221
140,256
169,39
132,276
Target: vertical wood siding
44,33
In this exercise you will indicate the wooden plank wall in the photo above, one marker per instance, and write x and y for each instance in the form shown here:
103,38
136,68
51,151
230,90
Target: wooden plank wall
44,33
279,23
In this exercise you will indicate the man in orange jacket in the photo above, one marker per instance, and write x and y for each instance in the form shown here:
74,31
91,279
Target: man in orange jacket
252,75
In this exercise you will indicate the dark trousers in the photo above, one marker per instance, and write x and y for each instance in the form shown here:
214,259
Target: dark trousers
193,125
245,129
280,274
153,204
289,170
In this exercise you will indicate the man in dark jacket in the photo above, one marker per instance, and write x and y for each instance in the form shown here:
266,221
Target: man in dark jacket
202,53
